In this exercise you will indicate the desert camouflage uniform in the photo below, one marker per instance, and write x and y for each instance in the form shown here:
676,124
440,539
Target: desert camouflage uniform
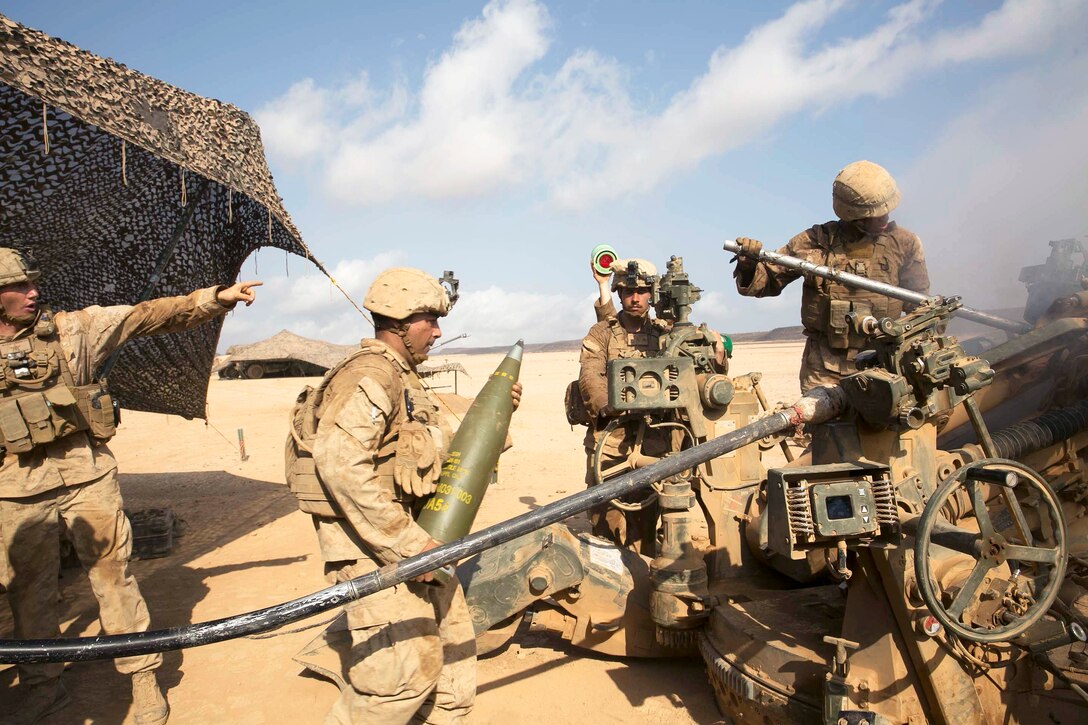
894,256
608,340
73,479
412,646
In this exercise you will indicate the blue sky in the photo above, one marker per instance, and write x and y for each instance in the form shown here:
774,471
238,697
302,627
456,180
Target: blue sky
504,140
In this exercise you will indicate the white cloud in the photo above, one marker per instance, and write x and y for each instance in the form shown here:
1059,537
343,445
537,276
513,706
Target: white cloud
1000,182
307,123
296,126
773,74
306,294
495,316
466,137
485,115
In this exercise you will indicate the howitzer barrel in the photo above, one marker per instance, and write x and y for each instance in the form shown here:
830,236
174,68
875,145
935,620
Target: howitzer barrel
889,290
816,406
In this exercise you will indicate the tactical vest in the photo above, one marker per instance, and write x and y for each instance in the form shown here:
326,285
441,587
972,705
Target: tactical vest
412,408
39,400
621,344
634,344
824,304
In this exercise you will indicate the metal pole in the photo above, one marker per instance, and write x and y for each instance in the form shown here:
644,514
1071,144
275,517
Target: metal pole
983,433
756,377
889,290
822,403
242,445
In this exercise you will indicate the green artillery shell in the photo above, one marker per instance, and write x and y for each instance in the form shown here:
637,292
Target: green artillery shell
474,452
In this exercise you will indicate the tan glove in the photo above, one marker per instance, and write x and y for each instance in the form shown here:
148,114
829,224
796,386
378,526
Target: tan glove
416,467
750,249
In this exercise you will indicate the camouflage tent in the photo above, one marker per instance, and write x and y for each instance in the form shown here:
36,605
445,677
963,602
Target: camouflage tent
286,345
124,187
426,371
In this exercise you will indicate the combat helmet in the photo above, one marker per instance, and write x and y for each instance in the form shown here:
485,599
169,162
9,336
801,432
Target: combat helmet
400,292
16,267
863,190
633,273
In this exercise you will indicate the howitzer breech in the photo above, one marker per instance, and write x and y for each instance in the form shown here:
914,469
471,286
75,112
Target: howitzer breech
816,406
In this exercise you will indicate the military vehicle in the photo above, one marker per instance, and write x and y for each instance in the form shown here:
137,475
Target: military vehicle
925,561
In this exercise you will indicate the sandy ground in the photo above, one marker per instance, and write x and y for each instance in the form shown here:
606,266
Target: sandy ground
247,546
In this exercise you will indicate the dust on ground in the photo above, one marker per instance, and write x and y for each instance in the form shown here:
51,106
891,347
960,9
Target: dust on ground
246,546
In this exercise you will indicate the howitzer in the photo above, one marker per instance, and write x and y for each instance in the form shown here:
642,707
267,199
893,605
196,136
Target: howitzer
952,559
818,405
889,290
894,574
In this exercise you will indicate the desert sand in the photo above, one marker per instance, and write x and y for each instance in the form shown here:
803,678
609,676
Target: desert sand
247,546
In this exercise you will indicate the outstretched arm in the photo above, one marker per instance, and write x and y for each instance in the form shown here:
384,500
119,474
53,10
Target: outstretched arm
239,292
602,283
101,330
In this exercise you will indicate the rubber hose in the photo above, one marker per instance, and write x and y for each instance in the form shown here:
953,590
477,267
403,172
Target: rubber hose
1041,432
78,649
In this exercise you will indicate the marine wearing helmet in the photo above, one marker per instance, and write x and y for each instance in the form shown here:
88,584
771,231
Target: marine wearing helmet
366,446
864,241
630,274
631,333
17,270
56,417
400,299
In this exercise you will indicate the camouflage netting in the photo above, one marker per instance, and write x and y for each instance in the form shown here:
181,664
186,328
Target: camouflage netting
107,174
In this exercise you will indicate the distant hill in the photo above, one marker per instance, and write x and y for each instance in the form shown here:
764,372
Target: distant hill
560,346
778,334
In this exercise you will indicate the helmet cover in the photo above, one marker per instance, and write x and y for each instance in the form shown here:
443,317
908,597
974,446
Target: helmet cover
863,190
17,267
632,274
401,292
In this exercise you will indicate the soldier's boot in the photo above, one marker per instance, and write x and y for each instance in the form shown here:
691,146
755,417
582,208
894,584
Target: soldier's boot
147,700
42,699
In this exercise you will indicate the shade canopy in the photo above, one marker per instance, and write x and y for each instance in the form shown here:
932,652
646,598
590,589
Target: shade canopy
286,345
124,187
